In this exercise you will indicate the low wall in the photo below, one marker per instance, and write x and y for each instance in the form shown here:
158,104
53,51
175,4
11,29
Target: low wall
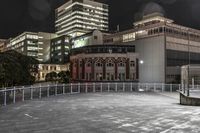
191,101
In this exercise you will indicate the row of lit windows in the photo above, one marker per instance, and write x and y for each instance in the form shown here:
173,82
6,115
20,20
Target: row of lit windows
76,25
81,13
22,38
86,5
129,37
32,48
91,15
173,31
81,17
32,53
49,68
83,22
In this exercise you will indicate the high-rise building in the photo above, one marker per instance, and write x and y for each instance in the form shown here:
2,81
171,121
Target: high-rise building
33,44
77,17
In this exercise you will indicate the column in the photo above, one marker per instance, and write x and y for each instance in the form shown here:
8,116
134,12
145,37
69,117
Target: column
83,68
116,70
137,69
71,69
104,69
92,68
77,69
128,68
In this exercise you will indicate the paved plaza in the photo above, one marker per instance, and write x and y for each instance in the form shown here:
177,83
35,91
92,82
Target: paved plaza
101,113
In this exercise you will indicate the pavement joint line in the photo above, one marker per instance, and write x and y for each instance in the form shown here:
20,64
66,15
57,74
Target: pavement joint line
35,118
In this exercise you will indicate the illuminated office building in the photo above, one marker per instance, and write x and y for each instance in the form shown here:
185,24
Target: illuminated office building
60,49
77,17
32,44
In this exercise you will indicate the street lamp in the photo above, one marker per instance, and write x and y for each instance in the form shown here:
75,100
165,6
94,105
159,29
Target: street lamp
141,62
188,87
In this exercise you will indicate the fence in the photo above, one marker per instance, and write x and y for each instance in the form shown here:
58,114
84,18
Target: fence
16,94
190,90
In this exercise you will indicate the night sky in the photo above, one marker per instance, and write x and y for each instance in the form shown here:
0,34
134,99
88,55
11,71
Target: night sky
38,15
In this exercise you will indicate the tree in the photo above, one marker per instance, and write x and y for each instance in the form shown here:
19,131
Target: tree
17,69
64,76
52,76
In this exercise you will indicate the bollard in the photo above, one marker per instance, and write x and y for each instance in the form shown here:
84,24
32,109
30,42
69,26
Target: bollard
108,87
162,87
171,89
138,86
63,89
14,95
40,93
71,88
116,87
131,87
146,87
56,89
31,92
23,93
94,87
79,88
48,91
123,87
154,87
86,88
5,97
101,87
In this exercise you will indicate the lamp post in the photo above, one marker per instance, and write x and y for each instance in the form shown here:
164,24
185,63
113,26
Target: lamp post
188,87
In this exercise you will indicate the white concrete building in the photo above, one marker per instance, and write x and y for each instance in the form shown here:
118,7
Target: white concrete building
44,69
163,47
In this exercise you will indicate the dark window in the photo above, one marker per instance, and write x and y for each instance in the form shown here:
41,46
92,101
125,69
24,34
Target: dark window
95,37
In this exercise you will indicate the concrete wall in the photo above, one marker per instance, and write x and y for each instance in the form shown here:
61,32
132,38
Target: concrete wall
191,101
152,52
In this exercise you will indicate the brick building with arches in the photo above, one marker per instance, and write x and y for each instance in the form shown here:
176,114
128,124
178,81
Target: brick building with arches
104,63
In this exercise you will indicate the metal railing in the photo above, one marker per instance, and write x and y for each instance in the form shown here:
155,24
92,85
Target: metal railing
189,90
22,93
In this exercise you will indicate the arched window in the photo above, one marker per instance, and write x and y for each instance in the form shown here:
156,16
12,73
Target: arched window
121,64
99,64
109,63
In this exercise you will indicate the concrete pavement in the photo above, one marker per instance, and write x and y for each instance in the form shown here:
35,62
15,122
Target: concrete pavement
101,113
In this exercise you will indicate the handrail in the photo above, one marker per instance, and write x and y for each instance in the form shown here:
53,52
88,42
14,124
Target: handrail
11,95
